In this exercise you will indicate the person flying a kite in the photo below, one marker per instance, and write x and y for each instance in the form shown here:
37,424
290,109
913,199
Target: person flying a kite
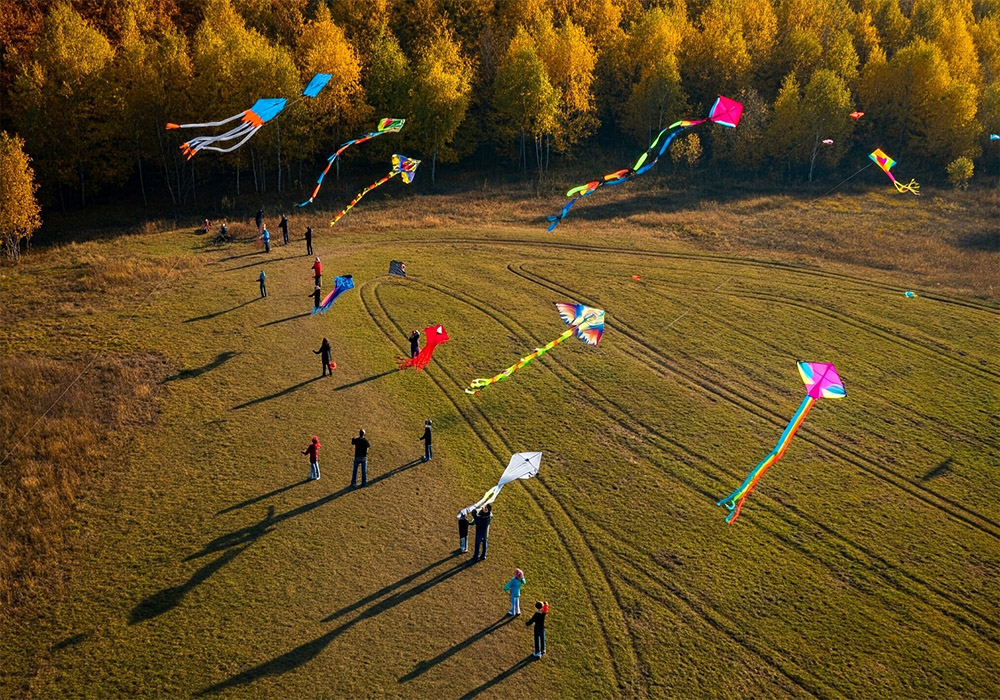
435,335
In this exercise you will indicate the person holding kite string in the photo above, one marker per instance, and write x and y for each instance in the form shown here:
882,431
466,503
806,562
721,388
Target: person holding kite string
414,344
266,237
538,620
361,446
317,268
463,530
483,519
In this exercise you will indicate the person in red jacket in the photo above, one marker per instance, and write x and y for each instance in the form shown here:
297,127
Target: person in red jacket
313,452
317,272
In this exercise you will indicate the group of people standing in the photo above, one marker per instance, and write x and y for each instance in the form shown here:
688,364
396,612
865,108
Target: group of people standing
264,235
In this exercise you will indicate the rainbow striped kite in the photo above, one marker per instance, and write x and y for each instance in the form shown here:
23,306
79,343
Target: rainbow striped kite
822,381
883,161
585,322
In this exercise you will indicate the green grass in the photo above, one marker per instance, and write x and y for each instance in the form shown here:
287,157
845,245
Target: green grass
864,565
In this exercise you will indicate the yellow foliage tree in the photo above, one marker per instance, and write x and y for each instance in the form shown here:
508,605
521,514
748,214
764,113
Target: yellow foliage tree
19,212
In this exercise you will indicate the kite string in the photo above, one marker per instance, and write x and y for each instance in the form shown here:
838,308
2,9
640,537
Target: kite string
840,183
86,367
692,308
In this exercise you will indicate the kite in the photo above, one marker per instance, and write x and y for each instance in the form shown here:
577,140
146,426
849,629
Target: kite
885,162
340,285
385,126
585,322
637,278
401,165
994,137
822,381
522,465
827,142
856,115
397,268
725,112
909,295
434,336
251,120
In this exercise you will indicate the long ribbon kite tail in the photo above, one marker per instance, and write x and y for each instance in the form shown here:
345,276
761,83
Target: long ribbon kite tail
913,186
734,501
478,385
361,194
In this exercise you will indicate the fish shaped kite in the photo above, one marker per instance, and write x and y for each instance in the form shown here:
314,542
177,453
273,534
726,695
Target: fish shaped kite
385,126
856,115
725,112
433,336
885,162
340,285
585,322
401,165
822,381
251,120
522,465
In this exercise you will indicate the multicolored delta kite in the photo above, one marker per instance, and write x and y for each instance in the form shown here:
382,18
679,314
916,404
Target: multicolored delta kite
340,285
822,381
885,162
385,126
585,322
251,120
401,165
433,336
522,465
725,112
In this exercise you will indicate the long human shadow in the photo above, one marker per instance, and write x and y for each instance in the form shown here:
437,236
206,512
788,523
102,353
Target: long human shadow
241,255
275,395
940,469
70,641
304,653
216,314
219,360
366,379
255,263
499,677
282,320
397,470
263,496
425,666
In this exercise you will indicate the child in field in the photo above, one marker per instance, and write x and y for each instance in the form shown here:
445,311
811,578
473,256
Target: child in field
313,452
463,531
316,294
514,586
538,620
263,286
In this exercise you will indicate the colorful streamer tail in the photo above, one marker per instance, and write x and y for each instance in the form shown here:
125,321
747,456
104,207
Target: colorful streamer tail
361,194
478,385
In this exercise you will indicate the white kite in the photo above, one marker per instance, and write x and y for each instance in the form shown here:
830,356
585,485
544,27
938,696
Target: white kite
523,465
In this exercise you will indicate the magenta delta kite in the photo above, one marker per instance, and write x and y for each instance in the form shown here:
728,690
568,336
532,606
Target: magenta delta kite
725,112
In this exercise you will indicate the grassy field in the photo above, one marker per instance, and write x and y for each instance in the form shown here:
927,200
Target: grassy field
199,562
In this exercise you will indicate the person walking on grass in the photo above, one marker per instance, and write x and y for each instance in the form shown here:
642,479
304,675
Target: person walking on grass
414,344
266,237
327,356
259,218
283,225
538,620
361,446
483,519
514,586
317,269
313,452
263,286
309,240
426,437
316,294
463,530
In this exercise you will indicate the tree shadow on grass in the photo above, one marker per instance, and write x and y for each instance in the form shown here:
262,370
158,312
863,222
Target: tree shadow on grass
304,653
499,677
215,314
937,471
219,360
988,241
366,379
275,395
263,496
282,320
425,666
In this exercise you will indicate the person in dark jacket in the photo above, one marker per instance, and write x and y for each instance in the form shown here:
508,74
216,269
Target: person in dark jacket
414,344
326,356
483,519
283,225
463,531
313,452
263,286
316,294
426,437
361,446
309,240
538,620
259,218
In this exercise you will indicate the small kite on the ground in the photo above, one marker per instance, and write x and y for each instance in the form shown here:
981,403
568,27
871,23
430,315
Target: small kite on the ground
397,268
433,336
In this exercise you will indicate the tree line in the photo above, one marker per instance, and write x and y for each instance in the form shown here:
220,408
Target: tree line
89,85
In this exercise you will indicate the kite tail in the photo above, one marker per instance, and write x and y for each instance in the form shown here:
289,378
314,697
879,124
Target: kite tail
734,501
554,220
913,186
478,385
361,194
422,359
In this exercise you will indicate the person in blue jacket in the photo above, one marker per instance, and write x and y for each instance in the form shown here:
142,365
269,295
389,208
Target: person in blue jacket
514,586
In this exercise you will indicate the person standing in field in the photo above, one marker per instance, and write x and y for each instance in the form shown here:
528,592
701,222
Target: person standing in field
426,437
361,446
315,294
463,531
317,269
414,344
259,218
263,286
514,586
313,452
266,237
283,225
309,240
538,620
483,519
326,354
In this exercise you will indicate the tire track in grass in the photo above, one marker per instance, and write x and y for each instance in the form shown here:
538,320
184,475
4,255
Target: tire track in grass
626,672
659,361
916,587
